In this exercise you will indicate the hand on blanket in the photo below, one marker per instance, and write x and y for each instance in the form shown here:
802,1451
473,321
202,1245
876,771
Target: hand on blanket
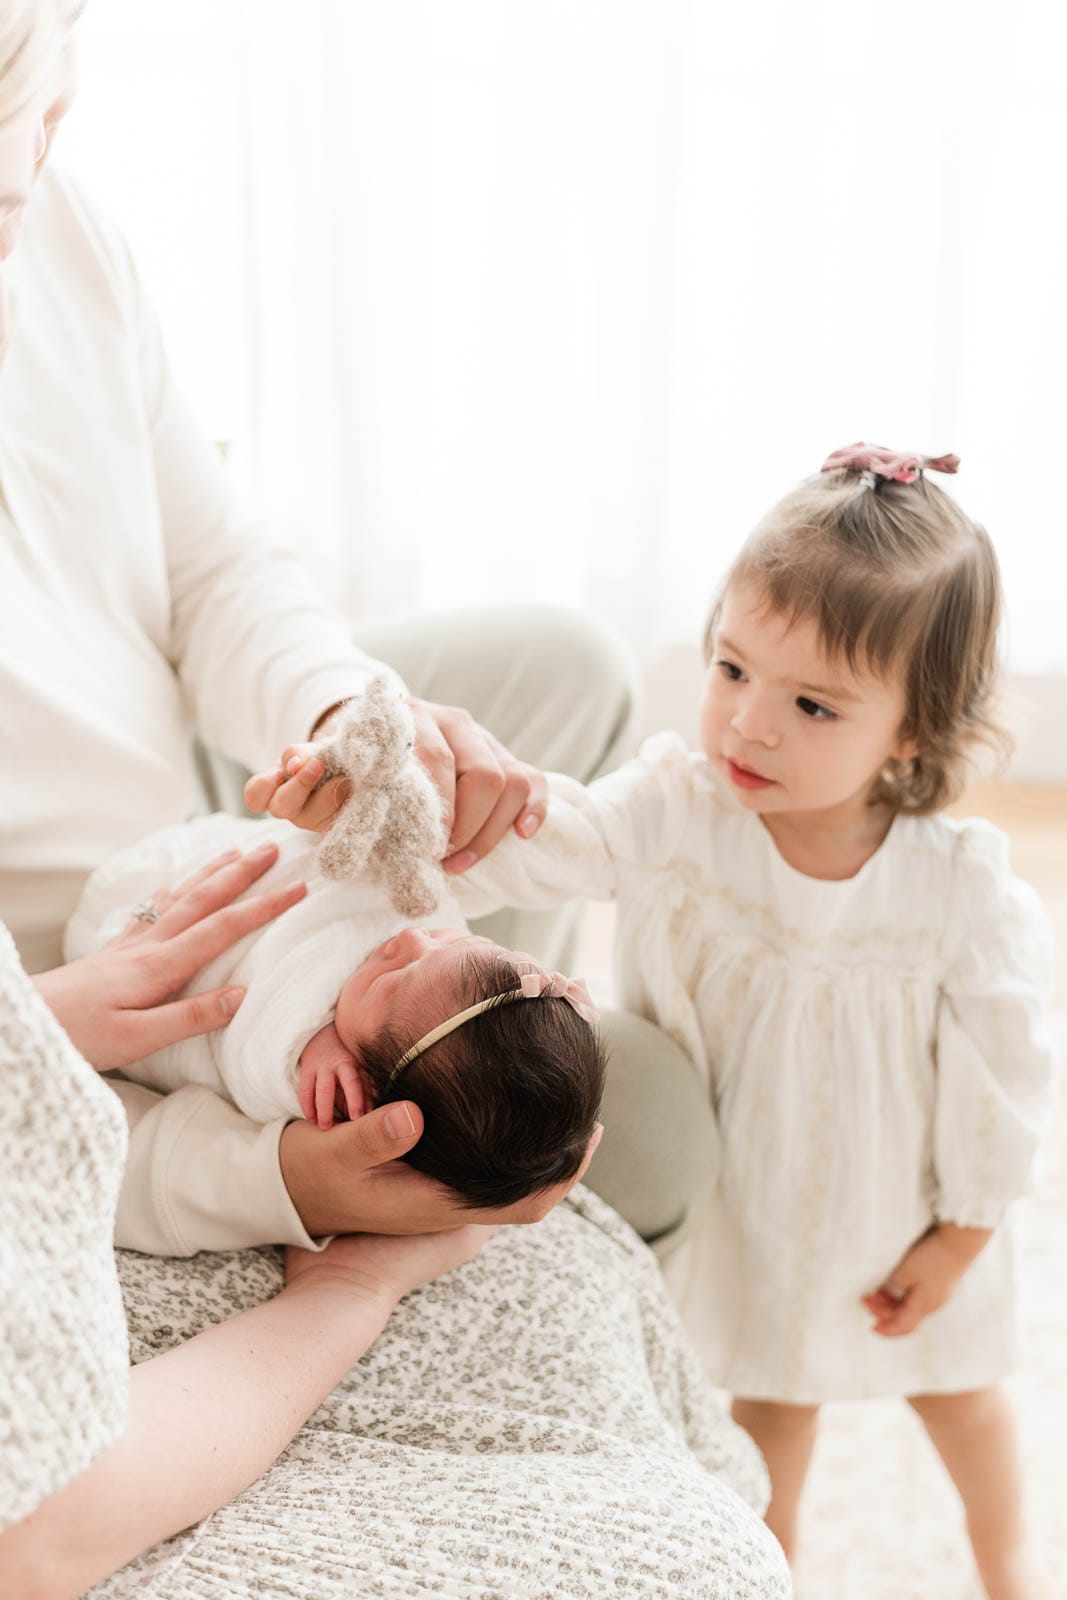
924,1279
330,1080
486,790
383,1268
118,1005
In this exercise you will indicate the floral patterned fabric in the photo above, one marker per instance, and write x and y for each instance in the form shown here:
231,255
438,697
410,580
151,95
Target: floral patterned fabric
533,1425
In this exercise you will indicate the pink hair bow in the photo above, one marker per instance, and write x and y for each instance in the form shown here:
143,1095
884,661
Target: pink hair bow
556,986
885,463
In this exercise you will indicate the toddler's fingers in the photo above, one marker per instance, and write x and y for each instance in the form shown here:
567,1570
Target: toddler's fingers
904,1318
261,787
291,796
325,1090
880,1303
321,809
295,755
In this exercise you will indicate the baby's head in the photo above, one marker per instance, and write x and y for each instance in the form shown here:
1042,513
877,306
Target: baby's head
509,1095
852,647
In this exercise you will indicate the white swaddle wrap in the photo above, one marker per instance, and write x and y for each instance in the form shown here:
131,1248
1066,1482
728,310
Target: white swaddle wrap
292,970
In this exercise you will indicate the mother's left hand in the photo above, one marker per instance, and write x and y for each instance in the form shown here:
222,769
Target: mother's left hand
118,1005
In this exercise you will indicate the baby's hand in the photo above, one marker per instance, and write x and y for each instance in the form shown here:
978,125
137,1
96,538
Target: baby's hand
330,1080
924,1279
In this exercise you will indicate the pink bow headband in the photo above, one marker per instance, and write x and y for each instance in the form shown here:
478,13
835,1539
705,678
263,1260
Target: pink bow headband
879,462
556,986
532,986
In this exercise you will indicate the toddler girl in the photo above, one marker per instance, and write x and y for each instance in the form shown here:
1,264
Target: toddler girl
344,999
859,976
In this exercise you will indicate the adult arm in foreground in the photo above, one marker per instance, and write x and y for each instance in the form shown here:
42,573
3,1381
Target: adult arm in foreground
205,1420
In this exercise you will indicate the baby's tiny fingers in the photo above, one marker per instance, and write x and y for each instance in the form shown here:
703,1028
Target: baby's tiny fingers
305,1092
352,1084
325,1090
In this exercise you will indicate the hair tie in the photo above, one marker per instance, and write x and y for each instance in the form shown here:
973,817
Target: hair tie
532,986
876,460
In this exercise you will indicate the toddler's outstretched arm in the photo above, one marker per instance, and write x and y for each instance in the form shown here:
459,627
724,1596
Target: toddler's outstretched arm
635,816
330,1079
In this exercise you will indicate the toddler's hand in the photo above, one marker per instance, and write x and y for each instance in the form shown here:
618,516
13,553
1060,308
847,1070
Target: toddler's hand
330,1080
924,1279
294,791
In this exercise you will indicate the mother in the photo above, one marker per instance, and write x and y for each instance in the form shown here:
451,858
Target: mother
542,1390
136,608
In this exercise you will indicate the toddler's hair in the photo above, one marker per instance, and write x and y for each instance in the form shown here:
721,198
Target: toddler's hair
895,578
510,1099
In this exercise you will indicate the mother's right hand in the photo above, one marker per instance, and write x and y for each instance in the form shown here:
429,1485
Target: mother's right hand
119,1004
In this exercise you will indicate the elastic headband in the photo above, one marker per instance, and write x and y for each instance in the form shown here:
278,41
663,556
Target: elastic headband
532,986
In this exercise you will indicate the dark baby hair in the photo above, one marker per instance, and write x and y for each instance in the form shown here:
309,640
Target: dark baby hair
510,1098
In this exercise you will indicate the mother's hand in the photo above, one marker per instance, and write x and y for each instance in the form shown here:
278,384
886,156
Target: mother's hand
118,1005
383,1268
350,1179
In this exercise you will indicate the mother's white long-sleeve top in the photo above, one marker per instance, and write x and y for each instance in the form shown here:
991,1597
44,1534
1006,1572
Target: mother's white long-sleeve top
875,1050
135,604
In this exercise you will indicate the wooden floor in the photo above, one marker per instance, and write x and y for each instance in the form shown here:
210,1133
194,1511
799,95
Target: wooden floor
1036,822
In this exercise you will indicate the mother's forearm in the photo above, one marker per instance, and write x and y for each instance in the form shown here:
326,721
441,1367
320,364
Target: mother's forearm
205,1420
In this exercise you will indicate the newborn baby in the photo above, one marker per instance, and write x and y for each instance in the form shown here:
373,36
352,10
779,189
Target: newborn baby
500,1056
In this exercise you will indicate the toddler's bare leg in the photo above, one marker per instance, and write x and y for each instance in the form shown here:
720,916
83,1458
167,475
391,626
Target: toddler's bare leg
786,1436
974,1434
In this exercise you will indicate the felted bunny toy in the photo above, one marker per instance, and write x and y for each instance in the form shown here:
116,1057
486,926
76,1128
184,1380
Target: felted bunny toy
394,815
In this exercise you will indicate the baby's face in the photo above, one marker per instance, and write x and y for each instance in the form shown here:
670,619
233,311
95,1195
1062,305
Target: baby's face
411,983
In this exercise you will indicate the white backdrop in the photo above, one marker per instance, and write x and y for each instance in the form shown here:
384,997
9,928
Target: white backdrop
549,300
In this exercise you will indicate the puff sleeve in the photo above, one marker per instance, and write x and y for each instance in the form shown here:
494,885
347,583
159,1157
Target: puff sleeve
993,1045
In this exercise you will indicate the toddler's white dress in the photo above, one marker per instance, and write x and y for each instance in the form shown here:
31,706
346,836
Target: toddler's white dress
875,1051
292,970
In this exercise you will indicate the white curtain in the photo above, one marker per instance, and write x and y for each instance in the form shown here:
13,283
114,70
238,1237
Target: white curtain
499,299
